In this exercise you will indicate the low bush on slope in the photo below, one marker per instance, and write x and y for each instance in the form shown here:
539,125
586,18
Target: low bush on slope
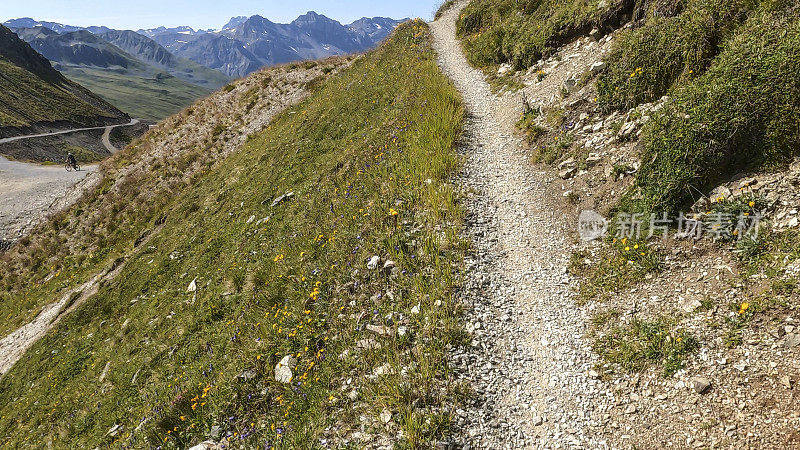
730,66
521,32
742,114
647,60
146,363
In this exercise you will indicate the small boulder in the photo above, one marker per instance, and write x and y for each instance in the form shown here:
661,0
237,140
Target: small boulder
504,69
748,182
205,445
379,330
597,67
689,304
247,375
283,370
569,162
719,194
192,286
389,267
567,173
593,159
792,340
701,384
368,344
373,262
282,199
385,369
114,430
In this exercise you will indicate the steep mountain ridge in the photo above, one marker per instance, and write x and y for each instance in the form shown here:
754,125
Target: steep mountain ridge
79,47
35,96
219,52
144,48
150,52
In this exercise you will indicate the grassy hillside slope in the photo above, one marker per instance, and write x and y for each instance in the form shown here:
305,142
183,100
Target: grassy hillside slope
32,92
149,362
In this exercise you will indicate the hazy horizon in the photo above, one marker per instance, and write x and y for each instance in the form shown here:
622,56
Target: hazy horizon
205,14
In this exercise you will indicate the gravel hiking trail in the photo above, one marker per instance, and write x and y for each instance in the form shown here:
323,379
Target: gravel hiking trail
529,362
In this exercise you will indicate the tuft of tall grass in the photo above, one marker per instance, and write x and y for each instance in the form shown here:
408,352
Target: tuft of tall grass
521,32
642,343
646,61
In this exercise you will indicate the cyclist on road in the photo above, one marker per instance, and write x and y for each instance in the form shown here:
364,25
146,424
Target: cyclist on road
71,161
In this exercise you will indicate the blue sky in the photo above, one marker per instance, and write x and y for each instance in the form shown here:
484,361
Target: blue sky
203,14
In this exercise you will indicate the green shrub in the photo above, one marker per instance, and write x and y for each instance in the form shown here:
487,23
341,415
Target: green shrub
624,264
520,32
646,61
743,113
527,124
645,343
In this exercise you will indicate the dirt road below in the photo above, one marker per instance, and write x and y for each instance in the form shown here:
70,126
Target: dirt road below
107,129
28,192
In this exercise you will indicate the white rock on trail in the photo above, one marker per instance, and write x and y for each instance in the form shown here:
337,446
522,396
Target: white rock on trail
597,67
701,384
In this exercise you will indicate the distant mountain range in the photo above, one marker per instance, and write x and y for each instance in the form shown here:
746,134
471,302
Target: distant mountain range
244,44
154,73
129,70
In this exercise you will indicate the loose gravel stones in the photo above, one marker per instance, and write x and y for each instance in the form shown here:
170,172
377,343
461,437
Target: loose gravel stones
528,361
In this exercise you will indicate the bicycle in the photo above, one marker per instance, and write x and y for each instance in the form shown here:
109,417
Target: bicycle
71,167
